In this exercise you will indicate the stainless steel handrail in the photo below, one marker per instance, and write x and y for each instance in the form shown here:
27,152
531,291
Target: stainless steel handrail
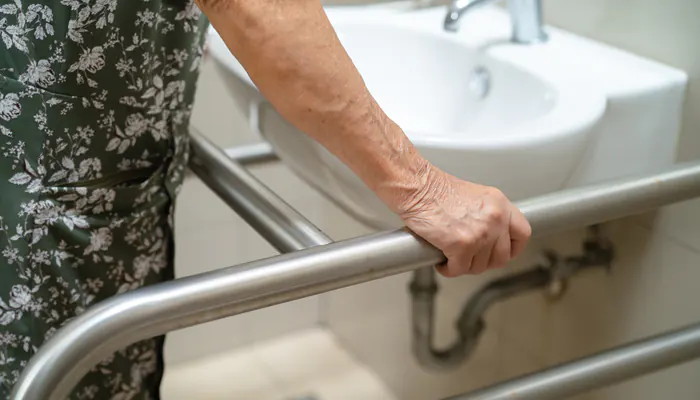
112,324
260,207
600,370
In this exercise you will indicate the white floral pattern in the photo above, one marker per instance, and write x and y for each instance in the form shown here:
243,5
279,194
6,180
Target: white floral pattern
9,106
95,98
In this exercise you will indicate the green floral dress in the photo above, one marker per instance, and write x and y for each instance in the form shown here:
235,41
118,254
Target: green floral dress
95,99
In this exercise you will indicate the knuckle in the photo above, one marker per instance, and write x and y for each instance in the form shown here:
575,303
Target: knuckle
476,236
465,238
495,214
496,204
482,233
496,194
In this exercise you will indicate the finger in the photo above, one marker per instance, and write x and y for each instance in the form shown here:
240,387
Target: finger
444,270
501,252
457,266
481,260
517,247
520,231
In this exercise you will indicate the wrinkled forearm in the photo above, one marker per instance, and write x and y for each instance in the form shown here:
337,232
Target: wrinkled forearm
292,54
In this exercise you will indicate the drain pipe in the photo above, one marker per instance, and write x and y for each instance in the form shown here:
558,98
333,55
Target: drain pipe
471,323
551,275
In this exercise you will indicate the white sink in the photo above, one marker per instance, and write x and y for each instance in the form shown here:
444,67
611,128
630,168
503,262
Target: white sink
526,119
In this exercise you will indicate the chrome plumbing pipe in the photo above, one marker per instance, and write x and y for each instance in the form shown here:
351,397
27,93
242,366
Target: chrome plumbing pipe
470,324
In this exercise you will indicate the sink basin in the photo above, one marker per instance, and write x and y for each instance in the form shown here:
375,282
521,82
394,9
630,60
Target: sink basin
511,116
445,93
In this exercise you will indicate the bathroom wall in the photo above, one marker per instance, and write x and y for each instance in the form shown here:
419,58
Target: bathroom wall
652,287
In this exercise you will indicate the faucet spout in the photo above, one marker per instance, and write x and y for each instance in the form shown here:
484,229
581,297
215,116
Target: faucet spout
526,18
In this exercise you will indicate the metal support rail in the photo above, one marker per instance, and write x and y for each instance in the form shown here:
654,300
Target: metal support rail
260,207
600,370
143,313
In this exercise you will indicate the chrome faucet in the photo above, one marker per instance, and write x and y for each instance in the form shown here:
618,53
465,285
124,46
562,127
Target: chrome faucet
526,17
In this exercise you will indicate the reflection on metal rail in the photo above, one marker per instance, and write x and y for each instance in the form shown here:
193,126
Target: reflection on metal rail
252,154
143,313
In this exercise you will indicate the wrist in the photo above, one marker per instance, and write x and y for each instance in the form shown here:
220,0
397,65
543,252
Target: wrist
415,186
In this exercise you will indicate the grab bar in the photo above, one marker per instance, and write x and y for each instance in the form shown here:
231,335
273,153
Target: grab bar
599,370
275,220
151,311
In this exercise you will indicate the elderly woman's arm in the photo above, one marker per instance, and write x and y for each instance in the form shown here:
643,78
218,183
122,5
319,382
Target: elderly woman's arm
291,52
